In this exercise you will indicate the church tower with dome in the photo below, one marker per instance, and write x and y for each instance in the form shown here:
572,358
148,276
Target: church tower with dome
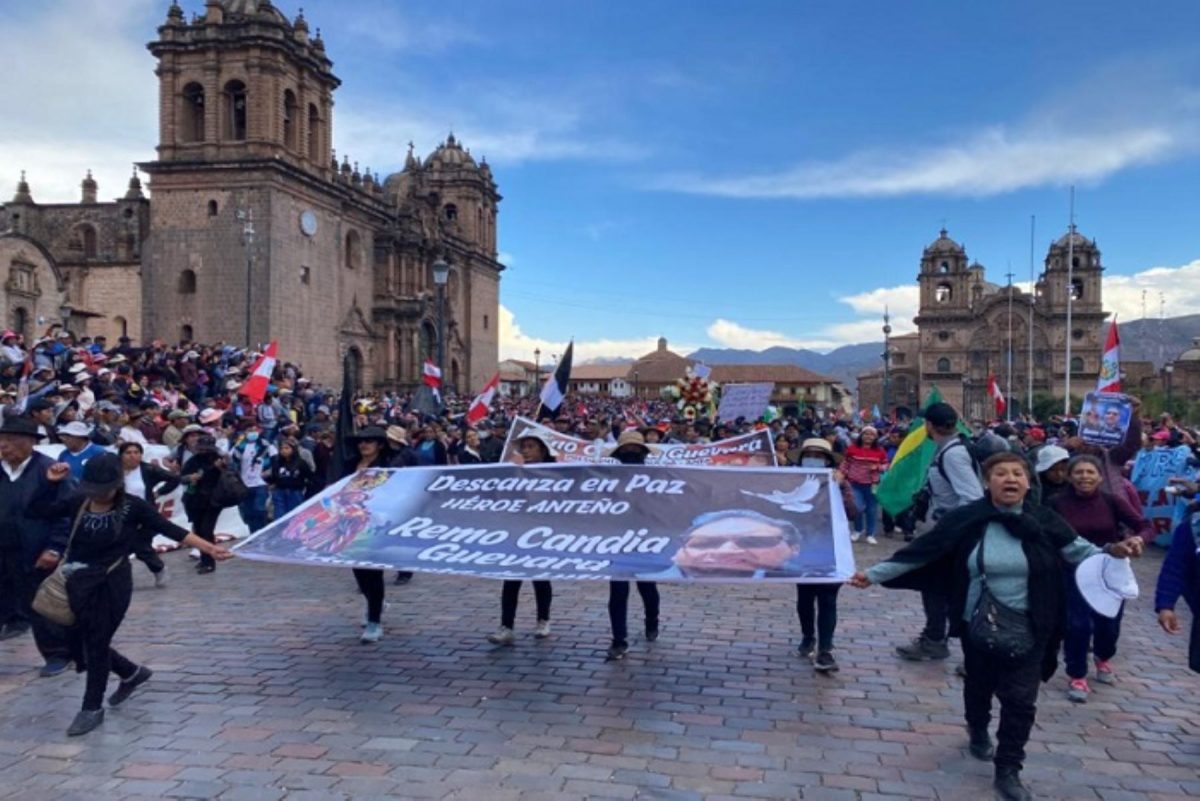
964,332
256,230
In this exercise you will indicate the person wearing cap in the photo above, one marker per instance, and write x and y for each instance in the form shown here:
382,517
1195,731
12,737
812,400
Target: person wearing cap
78,447
42,411
31,540
370,451
630,449
816,604
1050,467
864,462
200,471
108,526
952,483
1016,551
1098,516
534,448
177,421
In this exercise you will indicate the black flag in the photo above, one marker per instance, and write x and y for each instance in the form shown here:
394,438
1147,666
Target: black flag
345,455
555,388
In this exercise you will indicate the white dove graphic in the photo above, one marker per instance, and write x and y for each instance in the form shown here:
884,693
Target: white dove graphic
795,501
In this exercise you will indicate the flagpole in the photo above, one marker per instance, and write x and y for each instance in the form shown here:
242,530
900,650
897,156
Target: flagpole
1032,303
1008,380
1070,304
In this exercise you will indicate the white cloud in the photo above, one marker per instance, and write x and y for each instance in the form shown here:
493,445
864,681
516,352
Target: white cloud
1127,114
516,344
1179,287
85,95
991,162
507,259
384,27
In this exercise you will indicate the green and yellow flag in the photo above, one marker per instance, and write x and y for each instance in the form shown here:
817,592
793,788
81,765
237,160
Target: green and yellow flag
906,475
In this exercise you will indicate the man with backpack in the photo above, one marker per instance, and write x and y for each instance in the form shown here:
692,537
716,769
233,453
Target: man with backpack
952,481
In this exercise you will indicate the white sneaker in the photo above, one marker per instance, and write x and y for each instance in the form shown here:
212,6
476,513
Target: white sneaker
502,636
372,633
542,630
855,536
872,541
160,578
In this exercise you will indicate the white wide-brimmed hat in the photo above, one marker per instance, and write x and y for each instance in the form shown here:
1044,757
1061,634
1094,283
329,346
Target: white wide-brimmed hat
1105,583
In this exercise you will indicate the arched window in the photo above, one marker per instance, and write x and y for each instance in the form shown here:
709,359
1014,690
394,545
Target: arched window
191,128
1076,289
314,134
186,334
942,293
1076,364
187,282
213,208
944,267
290,110
122,327
353,250
451,212
943,365
87,239
235,110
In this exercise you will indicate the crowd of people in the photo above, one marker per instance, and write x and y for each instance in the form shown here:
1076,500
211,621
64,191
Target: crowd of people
1035,496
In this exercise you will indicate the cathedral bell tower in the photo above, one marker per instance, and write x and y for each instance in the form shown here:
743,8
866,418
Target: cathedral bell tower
945,278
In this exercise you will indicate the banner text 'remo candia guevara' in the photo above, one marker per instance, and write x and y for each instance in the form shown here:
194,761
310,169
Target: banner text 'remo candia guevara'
574,522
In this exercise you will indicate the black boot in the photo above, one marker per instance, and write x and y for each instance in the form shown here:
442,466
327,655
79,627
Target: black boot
981,744
85,720
1008,785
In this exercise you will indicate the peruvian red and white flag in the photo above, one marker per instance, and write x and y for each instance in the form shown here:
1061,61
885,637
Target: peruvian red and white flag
255,388
483,401
431,375
997,395
1110,362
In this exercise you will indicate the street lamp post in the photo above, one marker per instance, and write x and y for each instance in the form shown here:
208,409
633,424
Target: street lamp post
537,369
441,274
1169,370
247,218
887,362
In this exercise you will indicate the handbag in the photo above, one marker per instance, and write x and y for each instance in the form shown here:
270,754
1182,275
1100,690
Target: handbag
996,629
229,491
51,600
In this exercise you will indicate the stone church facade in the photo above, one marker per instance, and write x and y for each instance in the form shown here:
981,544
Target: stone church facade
963,331
257,232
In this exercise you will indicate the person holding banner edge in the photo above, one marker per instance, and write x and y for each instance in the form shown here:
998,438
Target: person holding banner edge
534,449
816,604
372,447
630,449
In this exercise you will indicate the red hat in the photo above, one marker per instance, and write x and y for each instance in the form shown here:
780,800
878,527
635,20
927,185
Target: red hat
1037,435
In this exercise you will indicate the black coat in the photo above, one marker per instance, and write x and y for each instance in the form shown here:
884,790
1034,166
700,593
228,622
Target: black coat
152,476
943,553
27,522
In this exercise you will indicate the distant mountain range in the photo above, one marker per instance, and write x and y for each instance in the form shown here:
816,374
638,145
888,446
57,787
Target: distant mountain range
1150,340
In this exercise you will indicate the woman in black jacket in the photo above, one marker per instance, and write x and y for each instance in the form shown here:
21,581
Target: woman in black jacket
146,481
1026,548
200,475
108,523
289,478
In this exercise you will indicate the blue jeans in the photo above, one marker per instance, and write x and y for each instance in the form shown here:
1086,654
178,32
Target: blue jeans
868,508
285,500
1084,628
254,509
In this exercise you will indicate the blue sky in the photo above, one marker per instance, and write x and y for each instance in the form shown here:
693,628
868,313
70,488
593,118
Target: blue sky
723,174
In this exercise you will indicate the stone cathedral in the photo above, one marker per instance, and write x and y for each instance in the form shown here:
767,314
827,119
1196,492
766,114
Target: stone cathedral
963,331
255,231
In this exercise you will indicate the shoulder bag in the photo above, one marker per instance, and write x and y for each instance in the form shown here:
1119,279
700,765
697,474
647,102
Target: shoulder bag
51,601
996,629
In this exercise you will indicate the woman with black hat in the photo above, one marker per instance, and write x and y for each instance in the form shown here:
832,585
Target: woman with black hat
108,525
200,476
534,449
630,449
371,446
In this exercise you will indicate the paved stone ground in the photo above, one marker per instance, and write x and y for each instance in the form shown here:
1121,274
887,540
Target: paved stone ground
262,691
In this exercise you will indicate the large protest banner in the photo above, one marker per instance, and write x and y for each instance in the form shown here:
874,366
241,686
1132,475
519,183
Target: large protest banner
574,521
1152,472
747,401
170,505
755,449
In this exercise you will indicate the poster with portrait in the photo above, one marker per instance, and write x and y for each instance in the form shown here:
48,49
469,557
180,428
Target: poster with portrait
1105,418
574,521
